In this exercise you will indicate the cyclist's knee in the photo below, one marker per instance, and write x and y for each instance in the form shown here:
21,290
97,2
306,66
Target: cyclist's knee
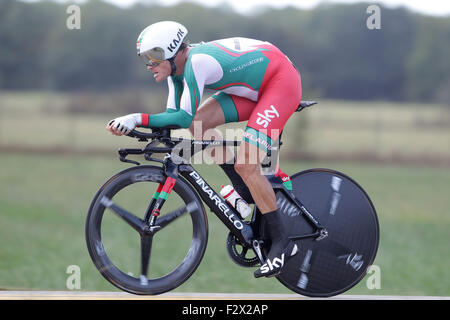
208,116
198,127
193,129
247,162
246,169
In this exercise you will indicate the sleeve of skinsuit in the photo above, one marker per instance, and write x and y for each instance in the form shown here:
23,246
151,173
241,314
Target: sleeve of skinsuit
175,85
182,112
173,115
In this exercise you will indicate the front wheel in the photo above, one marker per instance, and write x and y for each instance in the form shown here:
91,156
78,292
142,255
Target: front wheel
130,255
333,265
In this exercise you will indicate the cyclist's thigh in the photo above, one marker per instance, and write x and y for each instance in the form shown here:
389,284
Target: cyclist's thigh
208,116
234,108
277,103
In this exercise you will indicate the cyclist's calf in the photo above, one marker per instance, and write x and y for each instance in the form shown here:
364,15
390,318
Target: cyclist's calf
248,166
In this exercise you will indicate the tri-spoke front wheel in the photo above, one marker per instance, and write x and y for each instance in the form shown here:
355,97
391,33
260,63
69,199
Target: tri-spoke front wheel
131,254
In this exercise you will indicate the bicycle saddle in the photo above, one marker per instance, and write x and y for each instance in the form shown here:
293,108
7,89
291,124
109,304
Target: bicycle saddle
305,104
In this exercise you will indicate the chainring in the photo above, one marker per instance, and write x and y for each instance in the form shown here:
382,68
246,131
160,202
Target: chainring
240,254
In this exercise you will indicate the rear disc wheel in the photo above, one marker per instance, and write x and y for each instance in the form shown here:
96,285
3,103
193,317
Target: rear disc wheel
339,261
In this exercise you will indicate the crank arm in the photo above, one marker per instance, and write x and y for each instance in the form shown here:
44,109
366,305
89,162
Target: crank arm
257,249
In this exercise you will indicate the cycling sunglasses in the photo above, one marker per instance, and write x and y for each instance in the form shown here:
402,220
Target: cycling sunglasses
149,60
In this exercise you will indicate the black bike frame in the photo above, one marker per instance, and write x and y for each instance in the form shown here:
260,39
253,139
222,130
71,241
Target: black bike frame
225,212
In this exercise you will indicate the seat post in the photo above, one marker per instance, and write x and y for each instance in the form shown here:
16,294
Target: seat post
269,153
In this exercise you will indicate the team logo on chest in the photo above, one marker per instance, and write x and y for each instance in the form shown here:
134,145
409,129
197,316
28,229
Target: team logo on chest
266,118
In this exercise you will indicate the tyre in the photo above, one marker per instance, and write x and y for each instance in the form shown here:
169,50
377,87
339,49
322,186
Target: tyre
339,261
117,249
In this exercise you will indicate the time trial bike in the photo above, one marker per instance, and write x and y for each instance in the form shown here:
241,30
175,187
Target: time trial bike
147,229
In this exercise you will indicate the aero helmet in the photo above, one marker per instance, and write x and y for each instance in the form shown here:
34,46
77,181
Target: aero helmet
160,41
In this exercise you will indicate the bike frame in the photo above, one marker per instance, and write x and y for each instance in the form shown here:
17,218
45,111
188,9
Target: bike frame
348,249
222,209
174,166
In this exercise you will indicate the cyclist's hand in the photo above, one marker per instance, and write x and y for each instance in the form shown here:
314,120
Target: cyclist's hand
123,125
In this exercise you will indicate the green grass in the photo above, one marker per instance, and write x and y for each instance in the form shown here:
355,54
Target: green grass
382,129
44,201
377,128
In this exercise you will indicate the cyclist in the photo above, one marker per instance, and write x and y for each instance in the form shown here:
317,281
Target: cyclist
254,81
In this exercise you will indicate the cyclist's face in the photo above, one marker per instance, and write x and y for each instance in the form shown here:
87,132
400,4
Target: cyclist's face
161,71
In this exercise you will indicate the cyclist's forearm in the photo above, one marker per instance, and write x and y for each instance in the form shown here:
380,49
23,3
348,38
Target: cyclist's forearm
179,118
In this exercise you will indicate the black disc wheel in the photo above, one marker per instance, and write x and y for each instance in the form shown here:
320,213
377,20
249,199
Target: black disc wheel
131,255
337,262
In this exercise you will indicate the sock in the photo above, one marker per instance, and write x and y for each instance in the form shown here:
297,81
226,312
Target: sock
284,177
238,184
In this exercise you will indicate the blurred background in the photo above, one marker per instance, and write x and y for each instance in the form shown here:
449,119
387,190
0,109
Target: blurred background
383,118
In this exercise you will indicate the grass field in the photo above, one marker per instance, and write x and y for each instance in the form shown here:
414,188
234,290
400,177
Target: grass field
381,130
44,197
44,200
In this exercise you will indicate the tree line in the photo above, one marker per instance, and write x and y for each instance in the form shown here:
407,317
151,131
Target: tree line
339,57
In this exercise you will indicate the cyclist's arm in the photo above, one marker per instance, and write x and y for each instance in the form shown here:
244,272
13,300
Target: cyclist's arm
175,84
173,115
192,90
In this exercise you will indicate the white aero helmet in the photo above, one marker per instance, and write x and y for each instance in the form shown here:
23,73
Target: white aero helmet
160,41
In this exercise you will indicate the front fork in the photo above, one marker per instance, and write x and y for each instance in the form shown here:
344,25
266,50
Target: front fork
158,200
